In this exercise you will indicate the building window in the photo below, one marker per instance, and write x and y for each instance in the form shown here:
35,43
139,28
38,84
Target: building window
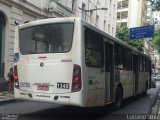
91,17
109,28
110,5
83,12
114,9
104,26
97,20
112,31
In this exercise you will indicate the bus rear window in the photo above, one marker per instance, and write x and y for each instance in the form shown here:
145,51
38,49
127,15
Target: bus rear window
48,38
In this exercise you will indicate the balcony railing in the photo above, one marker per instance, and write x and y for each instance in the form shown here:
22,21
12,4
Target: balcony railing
60,9
123,7
122,18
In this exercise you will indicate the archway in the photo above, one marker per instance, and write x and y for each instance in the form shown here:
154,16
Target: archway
2,43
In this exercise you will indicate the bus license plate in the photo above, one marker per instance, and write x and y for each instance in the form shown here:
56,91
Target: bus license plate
43,87
63,85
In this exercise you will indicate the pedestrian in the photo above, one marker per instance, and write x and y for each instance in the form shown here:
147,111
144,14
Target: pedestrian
10,79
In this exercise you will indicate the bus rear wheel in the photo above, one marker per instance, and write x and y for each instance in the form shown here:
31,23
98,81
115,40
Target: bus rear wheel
118,98
146,88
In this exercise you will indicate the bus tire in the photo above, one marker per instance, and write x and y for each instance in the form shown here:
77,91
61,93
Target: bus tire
118,98
146,88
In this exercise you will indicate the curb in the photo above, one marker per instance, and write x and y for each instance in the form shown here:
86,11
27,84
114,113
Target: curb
10,101
3,85
156,106
6,101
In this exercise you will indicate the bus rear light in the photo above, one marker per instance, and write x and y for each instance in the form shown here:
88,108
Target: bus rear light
76,80
16,77
16,84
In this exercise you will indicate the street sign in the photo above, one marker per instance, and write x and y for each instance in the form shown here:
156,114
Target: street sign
16,57
142,32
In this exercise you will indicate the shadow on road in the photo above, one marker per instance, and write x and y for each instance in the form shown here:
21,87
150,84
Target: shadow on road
74,113
69,113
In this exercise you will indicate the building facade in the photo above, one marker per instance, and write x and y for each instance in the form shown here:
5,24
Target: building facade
102,19
11,11
150,15
131,13
156,19
156,22
29,10
153,18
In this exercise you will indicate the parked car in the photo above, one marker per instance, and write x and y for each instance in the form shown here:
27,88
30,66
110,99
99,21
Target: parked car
157,77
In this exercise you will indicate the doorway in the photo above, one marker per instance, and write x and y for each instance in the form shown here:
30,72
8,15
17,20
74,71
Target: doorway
109,75
135,72
2,43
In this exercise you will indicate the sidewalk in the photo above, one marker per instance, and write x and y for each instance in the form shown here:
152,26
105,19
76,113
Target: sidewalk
3,84
156,107
6,96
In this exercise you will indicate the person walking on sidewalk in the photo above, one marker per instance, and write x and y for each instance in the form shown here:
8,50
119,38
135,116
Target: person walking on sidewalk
10,79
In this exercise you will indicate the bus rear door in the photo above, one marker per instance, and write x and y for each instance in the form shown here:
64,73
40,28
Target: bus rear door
109,75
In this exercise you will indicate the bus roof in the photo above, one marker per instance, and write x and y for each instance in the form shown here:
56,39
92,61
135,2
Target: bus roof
48,21
72,19
113,38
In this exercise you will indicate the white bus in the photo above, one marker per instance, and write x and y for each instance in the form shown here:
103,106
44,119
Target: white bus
68,61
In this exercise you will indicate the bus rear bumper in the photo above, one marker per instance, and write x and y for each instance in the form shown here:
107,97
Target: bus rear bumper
63,99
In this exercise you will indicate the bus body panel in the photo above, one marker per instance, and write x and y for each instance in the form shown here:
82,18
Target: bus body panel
51,75
24,95
53,71
95,87
48,77
93,76
142,80
126,78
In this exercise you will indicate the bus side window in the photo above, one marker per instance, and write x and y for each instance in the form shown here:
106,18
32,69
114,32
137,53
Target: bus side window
127,58
93,49
118,56
88,57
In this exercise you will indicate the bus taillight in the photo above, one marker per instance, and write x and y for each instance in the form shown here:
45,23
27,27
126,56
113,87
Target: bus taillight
76,80
16,77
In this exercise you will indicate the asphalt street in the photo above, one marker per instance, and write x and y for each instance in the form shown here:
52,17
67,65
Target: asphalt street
27,110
